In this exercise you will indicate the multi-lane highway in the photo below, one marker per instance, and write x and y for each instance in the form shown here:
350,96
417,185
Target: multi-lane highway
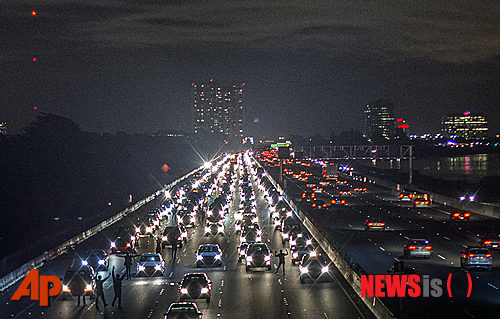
236,293
376,251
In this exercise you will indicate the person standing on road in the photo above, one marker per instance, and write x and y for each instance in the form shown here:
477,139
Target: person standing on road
117,285
99,290
158,245
128,263
281,257
175,242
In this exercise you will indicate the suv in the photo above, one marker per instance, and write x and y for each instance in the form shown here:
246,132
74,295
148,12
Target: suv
151,265
374,223
78,281
459,216
258,255
195,286
476,258
169,235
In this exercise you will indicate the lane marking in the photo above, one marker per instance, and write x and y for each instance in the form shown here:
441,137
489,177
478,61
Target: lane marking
446,238
493,286
382,248
441,257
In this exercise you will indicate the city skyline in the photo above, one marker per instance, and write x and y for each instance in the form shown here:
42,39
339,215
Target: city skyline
308,68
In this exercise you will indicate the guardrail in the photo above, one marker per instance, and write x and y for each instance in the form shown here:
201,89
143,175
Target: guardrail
376,306
39,261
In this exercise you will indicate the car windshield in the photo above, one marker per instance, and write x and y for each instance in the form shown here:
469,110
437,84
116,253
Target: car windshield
149,258
258,248
420,242
199,277
479,251
208,249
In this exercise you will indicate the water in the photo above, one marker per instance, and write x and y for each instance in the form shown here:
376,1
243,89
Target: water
469,167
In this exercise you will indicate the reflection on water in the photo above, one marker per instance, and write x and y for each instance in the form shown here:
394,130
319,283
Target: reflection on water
469,167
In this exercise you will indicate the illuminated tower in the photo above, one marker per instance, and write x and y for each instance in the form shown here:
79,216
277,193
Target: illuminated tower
466,126
379,120
218,112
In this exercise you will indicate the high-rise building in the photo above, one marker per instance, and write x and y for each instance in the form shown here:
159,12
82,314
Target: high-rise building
218,112
3,128
379,120
466,126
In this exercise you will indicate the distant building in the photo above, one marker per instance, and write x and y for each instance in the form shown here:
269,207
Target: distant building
466,126
218,112
3,128
379,120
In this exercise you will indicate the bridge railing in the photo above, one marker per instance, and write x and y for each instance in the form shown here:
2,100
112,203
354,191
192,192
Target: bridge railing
356,151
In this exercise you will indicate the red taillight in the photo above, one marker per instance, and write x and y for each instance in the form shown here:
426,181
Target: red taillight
364,189
324,205
342,201
417,202
466,214
348,192
401,195
370,224
426,202
410,195
313,196
488,255
488,242
314,205
128,245
382,224
456,214
412,247
303,195
334,201
428,247
471,255
340,193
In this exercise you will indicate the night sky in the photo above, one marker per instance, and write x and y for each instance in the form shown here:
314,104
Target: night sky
309,66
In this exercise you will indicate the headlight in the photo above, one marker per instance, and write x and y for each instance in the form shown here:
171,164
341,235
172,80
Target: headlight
288,214
199,257
101,262
192,220
220,229
149,229
243,239
85,263
113,245
157,267
217,257
304,270
132,238
285,235
207,229
141,268
137,230
164,238
295,255
128,245
293,243
242,252
184,291
267,258
259,232
276,222
312,254
66,289
324,269
88,288
237,227
249,258
308,242
204,290
258,239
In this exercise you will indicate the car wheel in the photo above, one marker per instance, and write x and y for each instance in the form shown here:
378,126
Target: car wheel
489,268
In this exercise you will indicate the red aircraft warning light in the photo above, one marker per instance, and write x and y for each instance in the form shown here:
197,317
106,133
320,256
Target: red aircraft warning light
33,13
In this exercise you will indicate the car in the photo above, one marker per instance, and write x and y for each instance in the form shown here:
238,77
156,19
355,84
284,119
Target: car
460,216
417,248
195,286
405,196
476,257
96,258
169,235
318,204
299,247
374,223
241,251
78,281
490,241
122,244
144,229
151,265
208,255
359,190
421,200
214,229
183,310
251,236
258,255
315,266
187,219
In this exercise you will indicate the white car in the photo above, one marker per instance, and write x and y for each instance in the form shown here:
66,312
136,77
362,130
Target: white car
209,255
151,265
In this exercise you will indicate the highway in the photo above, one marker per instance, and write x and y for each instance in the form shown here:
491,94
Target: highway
376,251
236,293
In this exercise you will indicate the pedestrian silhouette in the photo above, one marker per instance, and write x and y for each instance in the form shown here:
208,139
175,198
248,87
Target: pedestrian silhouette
128,262
80,286
174,248
117,286
281,257
99,290
158,245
